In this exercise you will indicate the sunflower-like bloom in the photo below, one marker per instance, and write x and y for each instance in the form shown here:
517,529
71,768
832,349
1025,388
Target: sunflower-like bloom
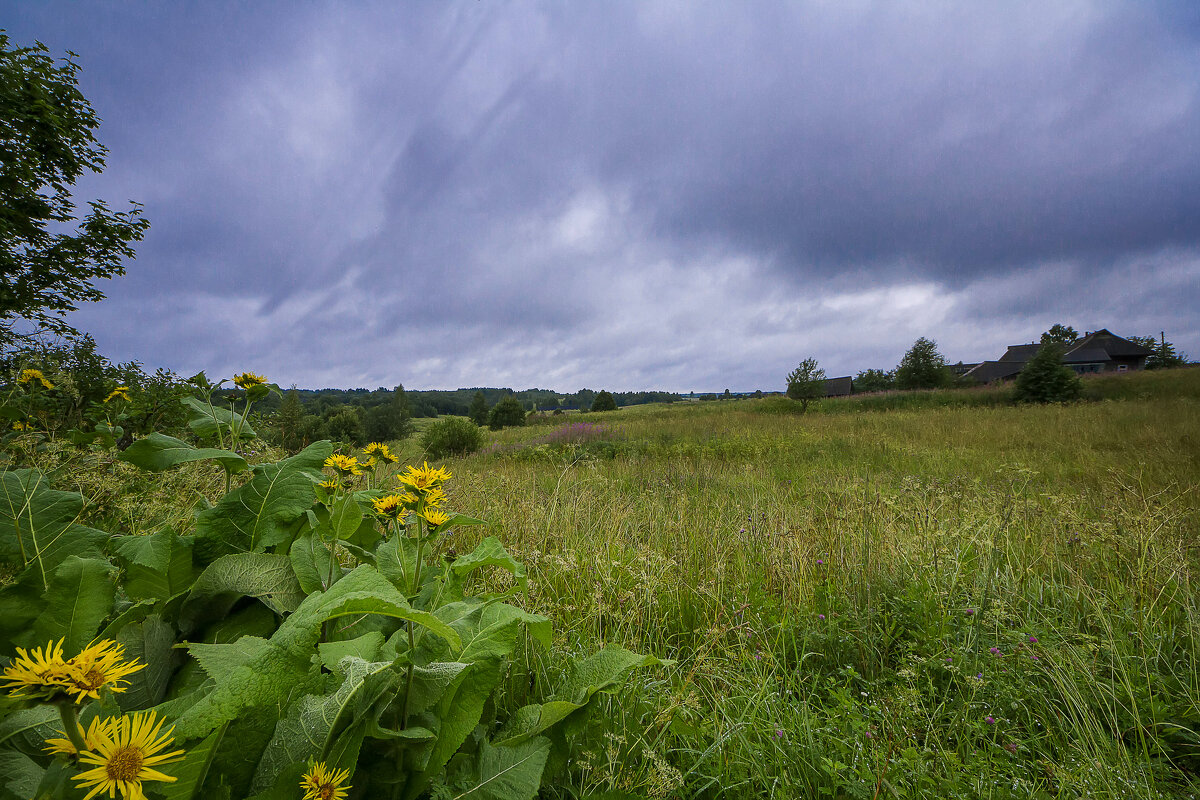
126,754
40,673
345,465
434,516
29,376
394,506
121,392
248,380
369,462
99,665
323,783
91,738
422,479
381,452
331,484
434,498
20,426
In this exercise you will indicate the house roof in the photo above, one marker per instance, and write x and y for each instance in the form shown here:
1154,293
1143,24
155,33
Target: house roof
1019,352
1108,342
989,371
837,387
1086,355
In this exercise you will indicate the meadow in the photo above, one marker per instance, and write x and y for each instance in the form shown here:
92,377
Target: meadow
911,595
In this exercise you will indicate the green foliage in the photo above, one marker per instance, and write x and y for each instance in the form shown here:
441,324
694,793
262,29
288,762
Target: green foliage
1045,379
1062,335
478,410
806,383
604,402
451,436
48,256
874,380
346,425
505,414
389,421
923,367
1165,355
287,422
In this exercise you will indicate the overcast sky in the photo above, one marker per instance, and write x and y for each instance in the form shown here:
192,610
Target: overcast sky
634,195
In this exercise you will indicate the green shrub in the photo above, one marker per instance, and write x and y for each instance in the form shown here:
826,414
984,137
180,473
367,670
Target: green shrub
507,413
1045,380
451,436
604,401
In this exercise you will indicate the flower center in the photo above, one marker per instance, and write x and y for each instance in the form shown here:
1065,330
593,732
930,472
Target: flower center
326,791
92,679
124,764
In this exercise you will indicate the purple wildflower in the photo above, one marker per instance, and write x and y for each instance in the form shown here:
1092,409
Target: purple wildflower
779,733
820,616
970,611
1033,639
990,720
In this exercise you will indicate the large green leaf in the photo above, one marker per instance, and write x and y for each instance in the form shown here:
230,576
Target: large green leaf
308,730
158,452
265,576
20,775
189,774
206,419
80,597
257,515
158,566
313,563
152,642
504,773
486,628
602,672
37,524
269,674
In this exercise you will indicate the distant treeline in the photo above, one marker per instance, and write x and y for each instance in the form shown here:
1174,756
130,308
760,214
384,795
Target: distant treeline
458,401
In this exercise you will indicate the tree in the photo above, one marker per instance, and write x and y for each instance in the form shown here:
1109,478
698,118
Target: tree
1060,334
1045,379
391,420
48,256
923,367
478,411
451,436
506,413
875,380
345,425
1165,355
604,401
288,420
806,383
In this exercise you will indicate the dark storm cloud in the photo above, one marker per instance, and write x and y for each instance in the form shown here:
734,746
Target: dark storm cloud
635,194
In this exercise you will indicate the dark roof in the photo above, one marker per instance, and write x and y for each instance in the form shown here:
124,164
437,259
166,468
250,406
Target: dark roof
1112,345
1019,352
838,387
1088,355
990,371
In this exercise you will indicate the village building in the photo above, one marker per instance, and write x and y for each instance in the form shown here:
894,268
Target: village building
1096,351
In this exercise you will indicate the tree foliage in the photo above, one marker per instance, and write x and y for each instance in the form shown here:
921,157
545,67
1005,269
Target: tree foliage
48,255
923,367
806,383
1060,334
1045,379
1165,355
875,380
391,420
451,436
507,413
604,401
478,411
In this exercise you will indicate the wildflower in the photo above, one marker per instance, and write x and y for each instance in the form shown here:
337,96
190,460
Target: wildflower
331,484
40,673
995,651
970,611
28,376
121,392
370,462
394,506
91,737
434,498
1033,639
323,783
248,380
345,465
820,616
989,719
424,478
20,426
779,733
1011,747
381,452
125,754
434,516
99,665
820,561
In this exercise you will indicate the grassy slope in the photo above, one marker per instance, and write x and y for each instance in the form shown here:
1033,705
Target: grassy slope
943,533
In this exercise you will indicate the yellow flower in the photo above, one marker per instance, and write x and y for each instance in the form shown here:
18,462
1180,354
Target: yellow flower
424,478
39,673
121,392
31,375
332,484
434,516
394,506
345,465
323,783
97,666
91,737
381,452
434,498
370,462
20,426
125,754
248,380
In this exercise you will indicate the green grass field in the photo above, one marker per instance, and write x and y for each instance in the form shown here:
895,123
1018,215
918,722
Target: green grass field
961,600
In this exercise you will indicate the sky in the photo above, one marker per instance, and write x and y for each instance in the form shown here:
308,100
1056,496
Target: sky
634,195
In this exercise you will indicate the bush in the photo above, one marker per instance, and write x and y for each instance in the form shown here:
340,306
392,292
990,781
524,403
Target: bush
507,413
1045,380
451,436
604,401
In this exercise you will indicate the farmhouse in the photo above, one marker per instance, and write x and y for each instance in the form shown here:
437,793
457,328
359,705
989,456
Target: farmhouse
1096,351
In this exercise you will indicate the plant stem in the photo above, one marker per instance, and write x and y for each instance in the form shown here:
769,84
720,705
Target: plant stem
411,642
70,720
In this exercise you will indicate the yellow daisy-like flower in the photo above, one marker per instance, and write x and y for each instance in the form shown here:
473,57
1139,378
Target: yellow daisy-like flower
41,672
323,783
99,665
126,754
248,380
434,498
121,392
370,462
424,478
394,506
381,452
20,426
332,484
345,465
30,375
91,738
434,516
